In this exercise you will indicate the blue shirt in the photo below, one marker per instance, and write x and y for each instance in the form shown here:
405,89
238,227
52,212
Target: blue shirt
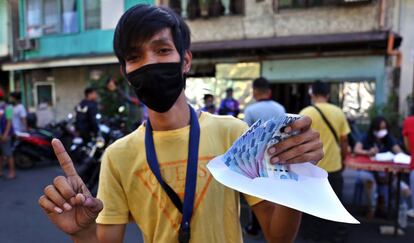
383,145
263,110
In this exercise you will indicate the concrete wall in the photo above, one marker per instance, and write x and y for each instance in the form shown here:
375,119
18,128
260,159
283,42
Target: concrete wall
69,91
260,20
407,48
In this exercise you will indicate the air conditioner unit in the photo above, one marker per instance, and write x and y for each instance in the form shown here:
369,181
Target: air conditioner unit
26,44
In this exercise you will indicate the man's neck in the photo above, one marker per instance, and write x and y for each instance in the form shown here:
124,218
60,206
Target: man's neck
177,117
261,97
319,99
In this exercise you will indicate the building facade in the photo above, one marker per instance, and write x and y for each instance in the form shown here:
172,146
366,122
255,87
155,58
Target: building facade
63,46
352,44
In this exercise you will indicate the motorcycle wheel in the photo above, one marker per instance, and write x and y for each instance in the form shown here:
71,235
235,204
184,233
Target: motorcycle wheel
23,161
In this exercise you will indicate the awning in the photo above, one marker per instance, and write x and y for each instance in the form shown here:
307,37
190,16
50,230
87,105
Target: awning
373,41
66,62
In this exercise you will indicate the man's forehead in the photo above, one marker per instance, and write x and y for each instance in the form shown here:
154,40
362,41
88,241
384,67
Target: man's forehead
163,35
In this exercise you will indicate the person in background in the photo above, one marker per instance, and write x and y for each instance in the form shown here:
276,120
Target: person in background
111,98
209,104
6,133
377,140
264,109
19,121
86,124
408,133
44,114
229,105
330,121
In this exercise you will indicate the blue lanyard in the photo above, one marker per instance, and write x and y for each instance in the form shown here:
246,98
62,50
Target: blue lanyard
191,176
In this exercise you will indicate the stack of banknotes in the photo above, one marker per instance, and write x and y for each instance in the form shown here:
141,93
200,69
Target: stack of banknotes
248,155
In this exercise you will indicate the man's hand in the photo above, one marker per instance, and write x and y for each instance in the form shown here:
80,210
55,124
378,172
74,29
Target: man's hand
304,147
68,202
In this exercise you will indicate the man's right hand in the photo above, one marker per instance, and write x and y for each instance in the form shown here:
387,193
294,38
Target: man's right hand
68,202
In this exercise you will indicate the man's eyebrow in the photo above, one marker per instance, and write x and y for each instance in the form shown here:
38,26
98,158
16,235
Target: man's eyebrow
161,41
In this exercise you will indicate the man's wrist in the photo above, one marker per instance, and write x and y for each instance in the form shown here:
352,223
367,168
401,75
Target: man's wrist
86,235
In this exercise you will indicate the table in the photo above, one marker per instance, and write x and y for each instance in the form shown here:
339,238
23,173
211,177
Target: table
360,162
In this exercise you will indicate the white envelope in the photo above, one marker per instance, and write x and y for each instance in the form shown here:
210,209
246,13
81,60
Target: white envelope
310,193
387,156
402,158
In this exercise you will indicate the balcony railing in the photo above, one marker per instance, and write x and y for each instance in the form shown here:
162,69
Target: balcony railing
193,9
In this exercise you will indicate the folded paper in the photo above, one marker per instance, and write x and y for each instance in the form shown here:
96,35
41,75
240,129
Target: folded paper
305,187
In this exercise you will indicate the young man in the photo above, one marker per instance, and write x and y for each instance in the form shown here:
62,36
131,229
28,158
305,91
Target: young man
86,124
141,172
330,121
265,108
209,104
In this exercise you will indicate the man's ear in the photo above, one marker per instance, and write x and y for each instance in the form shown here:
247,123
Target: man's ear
188,57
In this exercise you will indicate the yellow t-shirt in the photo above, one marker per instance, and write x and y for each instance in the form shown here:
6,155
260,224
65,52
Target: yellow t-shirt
129,190
331,162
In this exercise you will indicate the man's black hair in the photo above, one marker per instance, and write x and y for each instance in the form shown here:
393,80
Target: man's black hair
320,88
206,96
89,90
16,95
141,22
261,84
229,90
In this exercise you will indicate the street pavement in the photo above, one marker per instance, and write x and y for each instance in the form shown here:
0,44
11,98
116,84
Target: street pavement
22,220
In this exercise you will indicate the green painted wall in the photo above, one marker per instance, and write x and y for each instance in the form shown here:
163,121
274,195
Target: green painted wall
3,29
331,69
130,3
82,43
90,42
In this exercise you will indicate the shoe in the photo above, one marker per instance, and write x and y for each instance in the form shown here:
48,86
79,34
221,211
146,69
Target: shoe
410,213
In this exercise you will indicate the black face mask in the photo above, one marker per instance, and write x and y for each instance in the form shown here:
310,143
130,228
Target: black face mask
158,85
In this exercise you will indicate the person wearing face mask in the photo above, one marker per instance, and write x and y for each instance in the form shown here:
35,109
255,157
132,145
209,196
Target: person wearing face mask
156,176
377,140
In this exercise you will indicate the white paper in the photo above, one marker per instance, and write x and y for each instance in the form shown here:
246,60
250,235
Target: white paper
402,158
387,156
311,193
245,167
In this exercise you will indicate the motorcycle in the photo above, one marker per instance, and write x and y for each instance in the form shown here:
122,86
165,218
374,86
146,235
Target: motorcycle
34,146
93,151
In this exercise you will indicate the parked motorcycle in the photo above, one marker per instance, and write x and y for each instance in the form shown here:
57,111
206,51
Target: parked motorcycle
34,146
109,131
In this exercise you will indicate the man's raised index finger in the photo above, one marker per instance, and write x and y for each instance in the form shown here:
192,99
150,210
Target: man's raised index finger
64,159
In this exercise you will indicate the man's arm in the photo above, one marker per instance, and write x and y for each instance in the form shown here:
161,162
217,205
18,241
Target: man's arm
407,144
343,141
279,223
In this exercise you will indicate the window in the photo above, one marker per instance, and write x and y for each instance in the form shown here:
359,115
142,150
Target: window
34,18
51,18
45,17
307,3
92,14
69,16
193,9
44,93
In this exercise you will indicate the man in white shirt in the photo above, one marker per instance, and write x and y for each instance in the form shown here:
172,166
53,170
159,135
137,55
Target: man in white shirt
19,113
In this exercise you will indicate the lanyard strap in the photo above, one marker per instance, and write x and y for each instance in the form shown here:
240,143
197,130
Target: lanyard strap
191,176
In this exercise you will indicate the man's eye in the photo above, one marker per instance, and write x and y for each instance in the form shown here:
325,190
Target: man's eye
131,58
164,51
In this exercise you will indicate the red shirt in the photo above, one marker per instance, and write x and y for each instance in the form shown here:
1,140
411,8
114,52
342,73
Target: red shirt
408,131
